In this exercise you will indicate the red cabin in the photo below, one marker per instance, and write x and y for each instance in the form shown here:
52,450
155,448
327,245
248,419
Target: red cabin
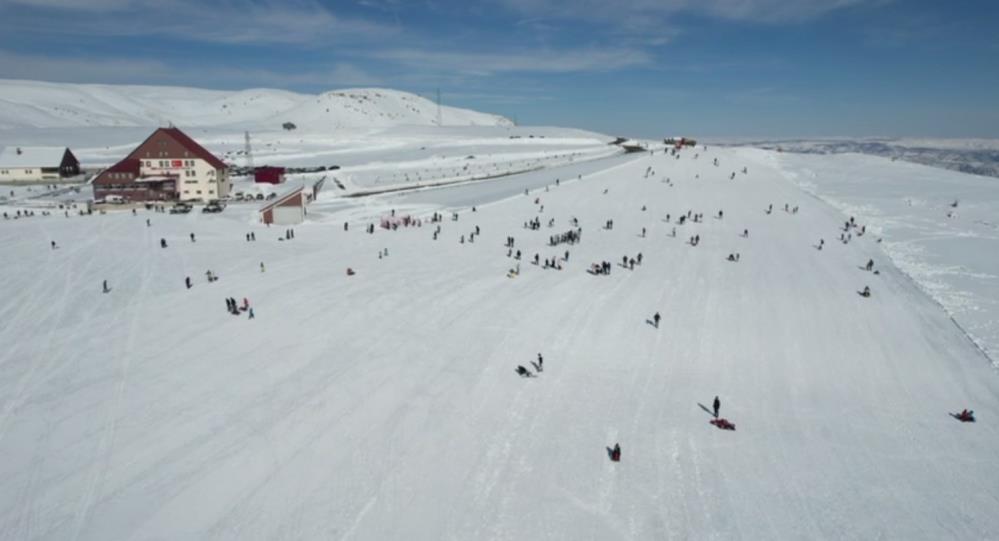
269,175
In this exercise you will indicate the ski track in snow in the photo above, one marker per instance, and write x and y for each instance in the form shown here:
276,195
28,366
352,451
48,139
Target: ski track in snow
386,403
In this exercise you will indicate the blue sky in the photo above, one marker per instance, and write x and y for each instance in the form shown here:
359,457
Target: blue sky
777,68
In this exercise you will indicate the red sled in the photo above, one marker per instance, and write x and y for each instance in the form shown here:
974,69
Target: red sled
723,424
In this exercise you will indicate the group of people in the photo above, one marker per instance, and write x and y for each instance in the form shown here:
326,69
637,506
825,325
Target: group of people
569,237
539,367
235,309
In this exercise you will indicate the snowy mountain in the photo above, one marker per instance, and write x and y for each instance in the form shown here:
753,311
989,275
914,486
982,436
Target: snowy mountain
55,105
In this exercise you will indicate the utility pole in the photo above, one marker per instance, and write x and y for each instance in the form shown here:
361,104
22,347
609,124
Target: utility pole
249,151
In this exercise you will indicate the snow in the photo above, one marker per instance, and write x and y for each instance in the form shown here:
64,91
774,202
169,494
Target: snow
36,104
950,252
385,404
32,156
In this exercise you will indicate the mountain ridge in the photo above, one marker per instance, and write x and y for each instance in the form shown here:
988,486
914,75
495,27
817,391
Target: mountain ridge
39,104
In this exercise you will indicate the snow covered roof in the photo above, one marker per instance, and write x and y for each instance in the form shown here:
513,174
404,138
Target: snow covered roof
32,156
282,198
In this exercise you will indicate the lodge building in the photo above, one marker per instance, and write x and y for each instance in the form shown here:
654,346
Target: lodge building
168,165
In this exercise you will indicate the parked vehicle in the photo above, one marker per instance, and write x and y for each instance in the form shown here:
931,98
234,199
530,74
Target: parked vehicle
180,208
213,207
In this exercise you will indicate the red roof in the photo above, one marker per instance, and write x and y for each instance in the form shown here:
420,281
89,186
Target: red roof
128,165
190,144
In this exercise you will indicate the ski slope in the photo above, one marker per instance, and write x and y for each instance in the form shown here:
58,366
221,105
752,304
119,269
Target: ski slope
385,404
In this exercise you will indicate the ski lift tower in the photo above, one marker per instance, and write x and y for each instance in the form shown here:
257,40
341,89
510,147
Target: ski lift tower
439,121
248,151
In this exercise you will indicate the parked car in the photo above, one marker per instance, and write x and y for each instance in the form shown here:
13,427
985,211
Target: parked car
213,207
180,208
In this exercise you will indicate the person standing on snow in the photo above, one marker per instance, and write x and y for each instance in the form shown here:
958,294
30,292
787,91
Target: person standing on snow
616,453
655,319
717,406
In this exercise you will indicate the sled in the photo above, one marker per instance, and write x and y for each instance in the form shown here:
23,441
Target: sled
723,424
970,418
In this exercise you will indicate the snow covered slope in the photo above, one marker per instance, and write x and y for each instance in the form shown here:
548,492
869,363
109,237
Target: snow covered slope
46,105
385,405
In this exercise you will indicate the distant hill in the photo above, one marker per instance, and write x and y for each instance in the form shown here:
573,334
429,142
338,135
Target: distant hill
39,104
974,156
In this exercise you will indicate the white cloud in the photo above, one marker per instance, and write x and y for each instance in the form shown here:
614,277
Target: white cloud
649,14
130,71
541,61
234,21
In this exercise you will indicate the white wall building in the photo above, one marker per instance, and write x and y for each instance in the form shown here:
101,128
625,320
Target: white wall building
37,164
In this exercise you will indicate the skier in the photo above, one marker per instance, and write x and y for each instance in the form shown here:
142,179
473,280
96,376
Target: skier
541,362
717,406
106,288
655,319
262,266
870,264
187,282
615,454
251,313
192,237
53,245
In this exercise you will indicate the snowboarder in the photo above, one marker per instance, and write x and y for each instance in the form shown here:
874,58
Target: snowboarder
615,454
655,319
866,292
350,271
717,406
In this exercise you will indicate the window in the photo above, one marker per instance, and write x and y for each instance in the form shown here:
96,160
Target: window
199,192
187,191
